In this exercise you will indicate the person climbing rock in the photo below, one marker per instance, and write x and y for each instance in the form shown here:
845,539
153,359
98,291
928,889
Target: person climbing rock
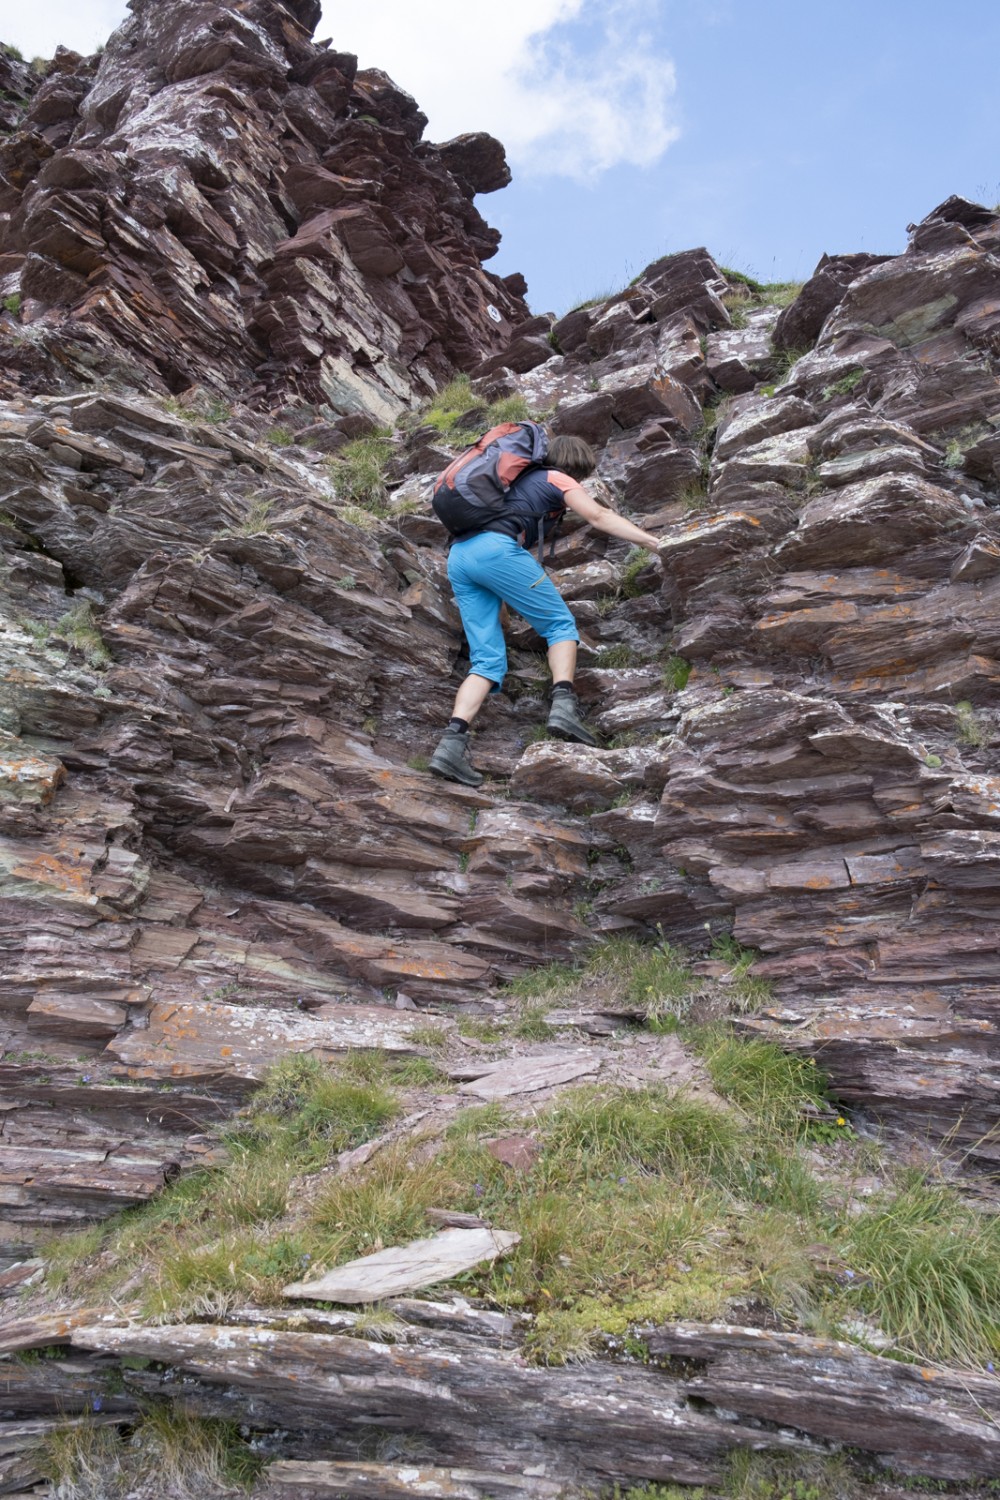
495,566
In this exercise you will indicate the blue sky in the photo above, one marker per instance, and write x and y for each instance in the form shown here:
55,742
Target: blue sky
769,130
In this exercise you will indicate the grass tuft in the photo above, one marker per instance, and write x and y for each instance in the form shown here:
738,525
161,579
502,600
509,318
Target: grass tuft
676,671
971,729
776,1089
79,627
183,1456
359,473
931,1269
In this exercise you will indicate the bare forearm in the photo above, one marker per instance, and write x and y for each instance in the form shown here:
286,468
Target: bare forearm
616,525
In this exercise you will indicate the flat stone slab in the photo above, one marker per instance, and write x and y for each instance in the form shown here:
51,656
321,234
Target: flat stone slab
526,1075
405,1268
322,1480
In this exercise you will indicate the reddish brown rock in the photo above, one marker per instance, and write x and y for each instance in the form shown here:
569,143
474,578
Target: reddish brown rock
191,267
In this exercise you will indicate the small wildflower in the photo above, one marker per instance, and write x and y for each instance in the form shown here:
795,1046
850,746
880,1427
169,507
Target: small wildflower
989,1366
841,1120
478,1189
97,1404
623,1180
305,1259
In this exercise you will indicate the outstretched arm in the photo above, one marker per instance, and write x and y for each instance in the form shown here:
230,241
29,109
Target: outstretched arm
603,519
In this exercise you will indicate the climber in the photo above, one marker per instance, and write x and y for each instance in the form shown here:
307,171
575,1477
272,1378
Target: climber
495,566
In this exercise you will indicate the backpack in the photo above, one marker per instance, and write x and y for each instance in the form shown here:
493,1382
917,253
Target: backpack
472,491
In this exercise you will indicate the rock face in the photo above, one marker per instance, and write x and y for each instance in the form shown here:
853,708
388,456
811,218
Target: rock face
450,1375
221,673
216,680
216,200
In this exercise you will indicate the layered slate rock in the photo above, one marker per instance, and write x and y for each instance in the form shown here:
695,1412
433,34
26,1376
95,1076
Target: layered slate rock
450,1389
216,200
827,790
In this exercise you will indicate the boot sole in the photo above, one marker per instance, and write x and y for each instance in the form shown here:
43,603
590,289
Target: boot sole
447,774
573,738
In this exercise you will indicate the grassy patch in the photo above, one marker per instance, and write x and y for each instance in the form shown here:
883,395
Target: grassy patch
653,977
386,1206
748,992
548,981
79,628
790,1476
358,471
203,408
64,1252
180,1454
676,671
776,1089
844,386
785,360
780,293
530,1023
12,304
257,521
644,1202
211,1231
970,728
931,1269
736,304
480,1028
459,417
615,656
637,559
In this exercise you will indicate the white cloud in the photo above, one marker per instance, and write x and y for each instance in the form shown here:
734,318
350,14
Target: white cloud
571,87
82,25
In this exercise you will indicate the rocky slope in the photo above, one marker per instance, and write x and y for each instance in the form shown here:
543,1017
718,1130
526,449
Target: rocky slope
225,254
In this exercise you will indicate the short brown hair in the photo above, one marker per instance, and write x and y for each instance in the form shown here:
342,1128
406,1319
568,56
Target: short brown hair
572,456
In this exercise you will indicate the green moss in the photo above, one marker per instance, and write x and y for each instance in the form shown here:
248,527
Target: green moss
569,1335
637,560
844,386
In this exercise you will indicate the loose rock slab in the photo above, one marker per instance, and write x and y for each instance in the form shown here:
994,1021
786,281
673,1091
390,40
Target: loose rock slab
405,1268
344,1481
526,1075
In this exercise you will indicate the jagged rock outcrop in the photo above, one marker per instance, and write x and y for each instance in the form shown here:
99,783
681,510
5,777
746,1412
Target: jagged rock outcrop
216,200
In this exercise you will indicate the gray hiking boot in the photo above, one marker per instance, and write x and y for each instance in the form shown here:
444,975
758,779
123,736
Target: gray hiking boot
451,759
566,721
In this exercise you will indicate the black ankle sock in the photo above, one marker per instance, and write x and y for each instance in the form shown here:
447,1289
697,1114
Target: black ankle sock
458,726
562,687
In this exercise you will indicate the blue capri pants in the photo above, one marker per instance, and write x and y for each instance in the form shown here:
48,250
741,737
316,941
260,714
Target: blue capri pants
491,569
